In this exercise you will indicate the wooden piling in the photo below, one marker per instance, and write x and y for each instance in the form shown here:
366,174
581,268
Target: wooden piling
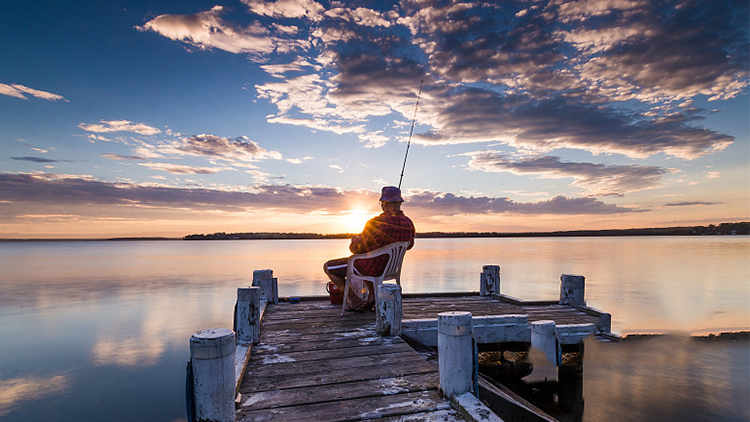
455,352
490,280
247,318
572,290
268,285
212,354
543,338
388,312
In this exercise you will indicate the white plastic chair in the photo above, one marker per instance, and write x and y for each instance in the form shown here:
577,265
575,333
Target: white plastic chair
395,252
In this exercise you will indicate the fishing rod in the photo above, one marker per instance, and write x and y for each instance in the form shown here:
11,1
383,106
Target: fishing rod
408,144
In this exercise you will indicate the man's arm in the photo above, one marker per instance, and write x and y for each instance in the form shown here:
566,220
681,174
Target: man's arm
356,244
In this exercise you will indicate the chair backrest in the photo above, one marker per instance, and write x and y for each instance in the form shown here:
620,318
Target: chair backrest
393,267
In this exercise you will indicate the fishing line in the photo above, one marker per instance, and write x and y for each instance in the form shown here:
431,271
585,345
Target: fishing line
408,144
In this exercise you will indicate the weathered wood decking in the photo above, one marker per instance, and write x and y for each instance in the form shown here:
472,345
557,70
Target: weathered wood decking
312,365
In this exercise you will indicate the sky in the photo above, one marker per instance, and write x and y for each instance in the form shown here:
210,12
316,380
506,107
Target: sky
163,118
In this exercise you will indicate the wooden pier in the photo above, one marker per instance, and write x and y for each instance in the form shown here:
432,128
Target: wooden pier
299,360
311,364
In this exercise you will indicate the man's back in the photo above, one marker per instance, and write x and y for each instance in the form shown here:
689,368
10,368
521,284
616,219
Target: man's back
388,227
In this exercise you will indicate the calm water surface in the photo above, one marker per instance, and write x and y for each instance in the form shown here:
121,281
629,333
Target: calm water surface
97,331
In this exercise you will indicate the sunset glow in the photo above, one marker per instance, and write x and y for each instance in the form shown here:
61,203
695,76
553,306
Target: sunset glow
354,220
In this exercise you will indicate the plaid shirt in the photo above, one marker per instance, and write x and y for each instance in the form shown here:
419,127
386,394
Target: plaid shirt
379,231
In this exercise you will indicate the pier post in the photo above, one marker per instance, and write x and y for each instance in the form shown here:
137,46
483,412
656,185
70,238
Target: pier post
247,318
212,358
388,312
489,283
572,290
543,338
455,352
268,290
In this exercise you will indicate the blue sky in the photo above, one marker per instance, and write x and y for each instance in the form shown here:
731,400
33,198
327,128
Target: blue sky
155,118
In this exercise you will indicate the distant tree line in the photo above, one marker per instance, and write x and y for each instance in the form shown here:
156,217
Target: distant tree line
243,236
742,228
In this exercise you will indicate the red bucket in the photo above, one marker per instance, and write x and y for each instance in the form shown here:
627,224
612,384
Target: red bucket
337,296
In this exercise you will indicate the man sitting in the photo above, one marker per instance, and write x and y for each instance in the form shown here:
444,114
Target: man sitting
390,226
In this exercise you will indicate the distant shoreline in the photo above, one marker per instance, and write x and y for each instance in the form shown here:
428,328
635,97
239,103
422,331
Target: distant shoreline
723,229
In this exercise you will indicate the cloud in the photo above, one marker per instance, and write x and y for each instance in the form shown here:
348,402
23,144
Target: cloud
286,8
182,169
642,50
119,157
34,159
691,204
605,76
70,190
108,126
450,204
207,30
478,115
18,91
240,148
596,179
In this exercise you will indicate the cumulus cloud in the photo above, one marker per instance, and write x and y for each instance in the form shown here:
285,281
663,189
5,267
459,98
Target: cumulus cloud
240,148
72,190
478,115
207,30
19,91
596,179
108,126
638,49
605,76
286,8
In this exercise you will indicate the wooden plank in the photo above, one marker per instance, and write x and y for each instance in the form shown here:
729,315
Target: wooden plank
272,366
320,342
313,355
448,415
254,382
318,317
299,330
319,325
340,391
352,410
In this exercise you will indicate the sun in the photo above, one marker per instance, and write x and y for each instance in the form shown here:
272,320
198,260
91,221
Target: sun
353,221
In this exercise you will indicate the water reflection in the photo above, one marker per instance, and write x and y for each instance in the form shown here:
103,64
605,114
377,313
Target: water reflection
667,379
104,311
15,391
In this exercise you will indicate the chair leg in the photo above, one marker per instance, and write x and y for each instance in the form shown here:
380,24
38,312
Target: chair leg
376,287
346,294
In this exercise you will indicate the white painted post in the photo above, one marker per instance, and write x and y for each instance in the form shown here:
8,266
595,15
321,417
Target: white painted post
388,311
543,338
247,319
212,357
264,280
489,283
455,352
572,290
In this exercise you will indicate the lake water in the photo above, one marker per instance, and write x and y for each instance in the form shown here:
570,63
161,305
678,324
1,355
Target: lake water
95,331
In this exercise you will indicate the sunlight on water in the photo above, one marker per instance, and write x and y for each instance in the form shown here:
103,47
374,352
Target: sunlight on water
94,322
